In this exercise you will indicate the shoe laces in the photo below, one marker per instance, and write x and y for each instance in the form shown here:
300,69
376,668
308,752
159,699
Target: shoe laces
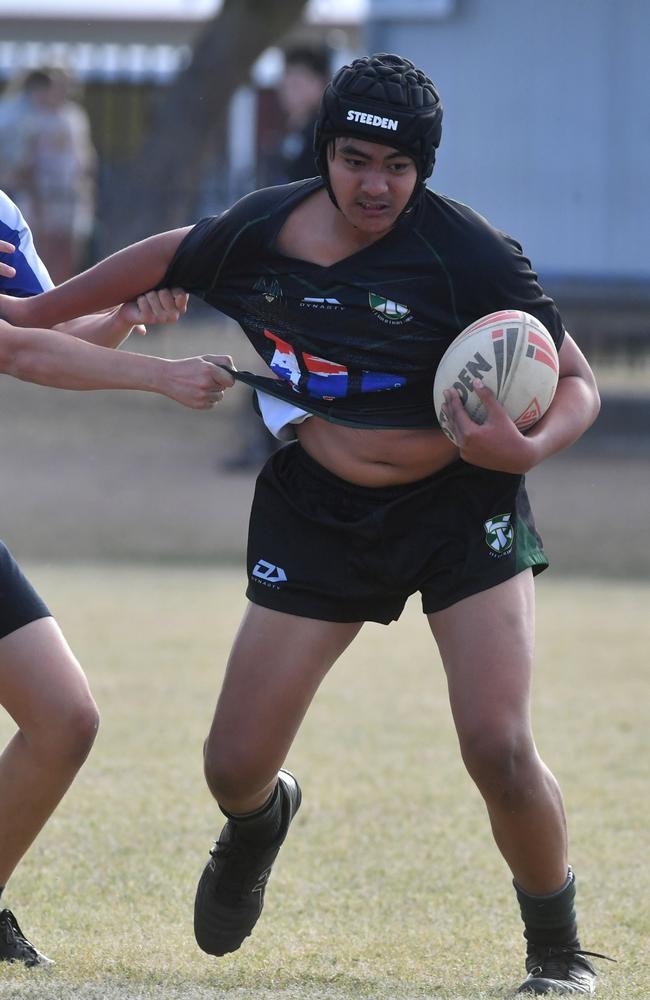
243,871
552,961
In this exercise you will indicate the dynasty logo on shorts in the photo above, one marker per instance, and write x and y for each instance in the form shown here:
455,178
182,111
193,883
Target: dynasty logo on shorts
499,534
268,574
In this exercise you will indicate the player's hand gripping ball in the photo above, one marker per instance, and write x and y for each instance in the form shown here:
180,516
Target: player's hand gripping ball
513,354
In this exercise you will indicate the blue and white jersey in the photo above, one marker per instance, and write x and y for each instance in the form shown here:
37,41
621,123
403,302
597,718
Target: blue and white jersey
31,274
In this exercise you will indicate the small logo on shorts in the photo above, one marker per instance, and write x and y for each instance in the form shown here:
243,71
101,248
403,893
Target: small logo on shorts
268,574
499,534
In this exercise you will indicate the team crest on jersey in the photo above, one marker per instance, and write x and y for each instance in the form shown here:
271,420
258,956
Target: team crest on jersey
388,310
499,534
269,288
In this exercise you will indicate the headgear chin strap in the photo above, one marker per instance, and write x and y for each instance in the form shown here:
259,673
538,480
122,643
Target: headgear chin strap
382,98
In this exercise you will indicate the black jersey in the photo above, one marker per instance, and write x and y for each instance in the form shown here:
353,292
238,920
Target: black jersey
357,342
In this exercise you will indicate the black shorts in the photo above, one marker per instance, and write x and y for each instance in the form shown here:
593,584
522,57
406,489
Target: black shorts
19,602
323,548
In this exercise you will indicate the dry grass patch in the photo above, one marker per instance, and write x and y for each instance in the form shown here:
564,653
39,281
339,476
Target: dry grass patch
389,886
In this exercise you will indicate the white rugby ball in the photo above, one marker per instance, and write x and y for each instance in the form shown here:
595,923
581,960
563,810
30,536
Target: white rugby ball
513,354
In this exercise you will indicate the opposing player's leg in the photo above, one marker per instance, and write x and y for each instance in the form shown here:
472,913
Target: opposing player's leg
276,665
486,644
45,691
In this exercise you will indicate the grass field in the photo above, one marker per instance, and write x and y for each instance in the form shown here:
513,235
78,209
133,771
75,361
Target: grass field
388,886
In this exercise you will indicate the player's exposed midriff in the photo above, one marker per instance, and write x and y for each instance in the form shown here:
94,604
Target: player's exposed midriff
375,457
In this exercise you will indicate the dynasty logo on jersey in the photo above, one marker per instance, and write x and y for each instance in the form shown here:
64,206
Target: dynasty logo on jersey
388,310
321,378
319,302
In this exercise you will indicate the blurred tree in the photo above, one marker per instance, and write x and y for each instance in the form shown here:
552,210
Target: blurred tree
155,190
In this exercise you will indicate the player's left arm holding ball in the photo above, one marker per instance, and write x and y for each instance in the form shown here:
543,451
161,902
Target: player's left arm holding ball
498,444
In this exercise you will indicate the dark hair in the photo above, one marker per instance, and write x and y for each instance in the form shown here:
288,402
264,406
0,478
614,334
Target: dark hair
315,58
38,79
382,98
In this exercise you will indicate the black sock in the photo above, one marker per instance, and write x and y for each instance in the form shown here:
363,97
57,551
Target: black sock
550,920
262,826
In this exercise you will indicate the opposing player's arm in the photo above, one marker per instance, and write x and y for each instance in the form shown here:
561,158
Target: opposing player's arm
112,328
123,277
48,357
498,444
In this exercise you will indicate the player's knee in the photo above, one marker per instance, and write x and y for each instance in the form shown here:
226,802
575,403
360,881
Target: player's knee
230,776
71,735
85,727
223,778
499,762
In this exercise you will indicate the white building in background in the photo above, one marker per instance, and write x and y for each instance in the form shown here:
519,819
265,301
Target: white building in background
547,122
547,105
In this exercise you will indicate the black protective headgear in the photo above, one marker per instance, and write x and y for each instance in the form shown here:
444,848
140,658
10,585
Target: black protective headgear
382,98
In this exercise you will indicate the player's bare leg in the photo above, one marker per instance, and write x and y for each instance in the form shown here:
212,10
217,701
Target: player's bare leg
486,644
45,691
275,668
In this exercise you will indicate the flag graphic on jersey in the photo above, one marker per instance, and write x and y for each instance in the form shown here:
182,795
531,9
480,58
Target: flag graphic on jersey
284,362
326,379
321,378
378,381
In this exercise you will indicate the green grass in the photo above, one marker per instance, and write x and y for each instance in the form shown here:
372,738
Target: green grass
389,885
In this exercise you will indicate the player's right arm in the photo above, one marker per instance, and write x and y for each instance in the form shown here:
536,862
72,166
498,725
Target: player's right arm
55,359
119,278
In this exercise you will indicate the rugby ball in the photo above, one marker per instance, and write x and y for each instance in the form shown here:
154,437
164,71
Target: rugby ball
513,354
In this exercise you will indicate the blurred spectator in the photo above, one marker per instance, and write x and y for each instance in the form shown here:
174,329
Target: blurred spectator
48,166
306,72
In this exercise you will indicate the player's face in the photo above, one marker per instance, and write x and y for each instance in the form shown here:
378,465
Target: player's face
372,183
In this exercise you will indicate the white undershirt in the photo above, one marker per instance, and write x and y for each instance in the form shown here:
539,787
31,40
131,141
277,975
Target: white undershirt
278,415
